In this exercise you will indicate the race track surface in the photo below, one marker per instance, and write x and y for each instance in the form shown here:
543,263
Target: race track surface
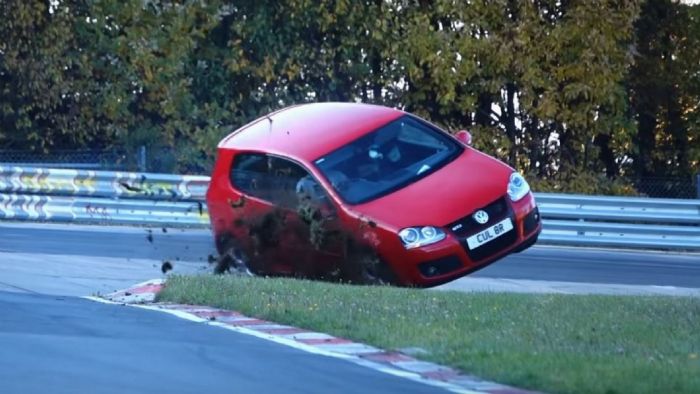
53,341
143,251
53,344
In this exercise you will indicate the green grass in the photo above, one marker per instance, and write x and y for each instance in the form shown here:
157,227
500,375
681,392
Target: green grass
554,343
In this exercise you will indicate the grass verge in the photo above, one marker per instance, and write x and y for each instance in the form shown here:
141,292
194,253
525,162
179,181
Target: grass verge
553,343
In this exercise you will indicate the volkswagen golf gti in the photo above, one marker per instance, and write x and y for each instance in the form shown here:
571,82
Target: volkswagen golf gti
312,189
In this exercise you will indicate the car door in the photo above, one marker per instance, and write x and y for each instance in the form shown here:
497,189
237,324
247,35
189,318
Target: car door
310,219
259,222
274,214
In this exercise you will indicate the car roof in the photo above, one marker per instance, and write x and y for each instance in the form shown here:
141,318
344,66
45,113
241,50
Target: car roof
308,131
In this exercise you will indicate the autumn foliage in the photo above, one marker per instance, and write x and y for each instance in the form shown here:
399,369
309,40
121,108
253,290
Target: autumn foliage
582,95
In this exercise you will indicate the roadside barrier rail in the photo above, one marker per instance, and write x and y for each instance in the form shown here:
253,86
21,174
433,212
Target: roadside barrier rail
102,197
103,210
109,184
627,222
105,197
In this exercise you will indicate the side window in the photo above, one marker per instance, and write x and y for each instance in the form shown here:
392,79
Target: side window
279,181
248,174
284,176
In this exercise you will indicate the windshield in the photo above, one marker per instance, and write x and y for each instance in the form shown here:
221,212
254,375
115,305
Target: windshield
387,159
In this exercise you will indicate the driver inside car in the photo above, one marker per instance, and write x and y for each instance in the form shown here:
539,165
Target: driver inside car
384,154
385,145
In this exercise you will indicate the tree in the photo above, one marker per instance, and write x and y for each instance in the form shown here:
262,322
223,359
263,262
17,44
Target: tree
538,80
663,90
560,89
42,77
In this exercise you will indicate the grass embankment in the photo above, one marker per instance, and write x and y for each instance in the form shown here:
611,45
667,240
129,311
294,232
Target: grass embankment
554,343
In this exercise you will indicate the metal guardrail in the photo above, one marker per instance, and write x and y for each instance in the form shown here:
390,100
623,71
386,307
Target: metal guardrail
105,197
102,210
109,184
175,200
628,222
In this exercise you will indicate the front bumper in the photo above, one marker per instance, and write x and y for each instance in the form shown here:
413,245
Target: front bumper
451,258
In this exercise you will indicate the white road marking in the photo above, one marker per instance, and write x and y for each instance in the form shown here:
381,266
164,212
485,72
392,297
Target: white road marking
284,340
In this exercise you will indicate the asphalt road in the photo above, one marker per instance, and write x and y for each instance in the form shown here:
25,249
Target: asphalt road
53,344
188,250
599,266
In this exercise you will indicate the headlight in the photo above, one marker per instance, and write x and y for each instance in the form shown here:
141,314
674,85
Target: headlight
517,187
415,237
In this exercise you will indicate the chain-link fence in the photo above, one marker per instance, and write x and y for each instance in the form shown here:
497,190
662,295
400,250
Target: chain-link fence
140,159
75,159
164,160
669,187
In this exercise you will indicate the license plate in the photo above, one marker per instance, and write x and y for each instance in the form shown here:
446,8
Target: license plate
489,234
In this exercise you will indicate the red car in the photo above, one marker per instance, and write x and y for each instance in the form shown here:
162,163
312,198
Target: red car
332,189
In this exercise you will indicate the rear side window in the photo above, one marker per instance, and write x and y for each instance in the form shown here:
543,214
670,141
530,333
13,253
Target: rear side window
247,173
279,181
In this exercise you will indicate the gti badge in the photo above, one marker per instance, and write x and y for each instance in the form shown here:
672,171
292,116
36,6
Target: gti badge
481,216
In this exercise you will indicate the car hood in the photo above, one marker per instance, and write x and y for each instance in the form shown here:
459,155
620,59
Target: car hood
469,182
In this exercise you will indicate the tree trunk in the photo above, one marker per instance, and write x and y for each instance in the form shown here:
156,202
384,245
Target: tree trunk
483,110
509,123
675,127
645,141
606,154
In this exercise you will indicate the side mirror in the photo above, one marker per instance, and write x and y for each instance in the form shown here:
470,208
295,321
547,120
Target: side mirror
464,136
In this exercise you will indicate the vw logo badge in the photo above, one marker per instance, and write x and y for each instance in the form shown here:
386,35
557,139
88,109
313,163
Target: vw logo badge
481,216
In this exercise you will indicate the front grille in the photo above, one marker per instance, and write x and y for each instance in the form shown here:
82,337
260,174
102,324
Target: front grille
440,266
489,249
497,211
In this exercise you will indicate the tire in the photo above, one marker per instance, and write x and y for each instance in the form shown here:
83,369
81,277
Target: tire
232,260
374,271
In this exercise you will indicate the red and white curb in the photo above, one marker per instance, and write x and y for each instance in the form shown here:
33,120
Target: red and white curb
143,295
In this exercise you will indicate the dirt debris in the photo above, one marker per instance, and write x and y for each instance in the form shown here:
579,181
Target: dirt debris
166,266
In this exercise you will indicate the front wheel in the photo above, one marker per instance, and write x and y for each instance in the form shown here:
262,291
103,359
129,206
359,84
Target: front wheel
374,271
231,259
